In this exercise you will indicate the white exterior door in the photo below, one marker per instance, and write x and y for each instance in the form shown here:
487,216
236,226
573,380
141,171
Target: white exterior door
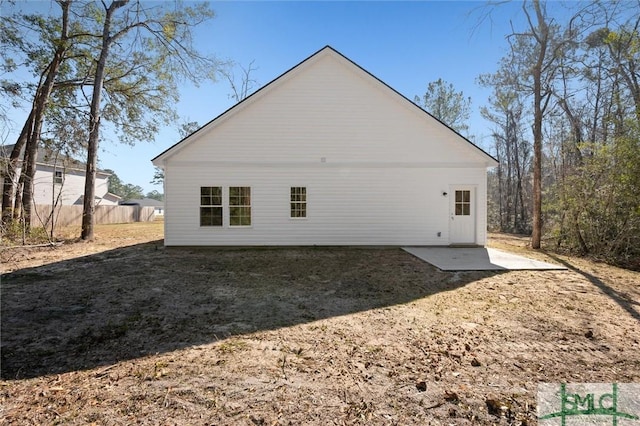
462,215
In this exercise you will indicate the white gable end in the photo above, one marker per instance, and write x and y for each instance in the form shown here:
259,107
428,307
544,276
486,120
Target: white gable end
329,108
374,168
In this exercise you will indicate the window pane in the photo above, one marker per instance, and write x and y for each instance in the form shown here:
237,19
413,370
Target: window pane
466,196
210,216
466,209
240,221
216,218
211,196
210,206
458,196
240,199
458,209
298,193
298,210
239,196
298,206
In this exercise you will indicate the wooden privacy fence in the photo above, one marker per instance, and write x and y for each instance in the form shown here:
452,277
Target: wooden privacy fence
72,215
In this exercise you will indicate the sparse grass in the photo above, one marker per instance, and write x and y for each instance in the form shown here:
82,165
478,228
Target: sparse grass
15,234
231,346
122,331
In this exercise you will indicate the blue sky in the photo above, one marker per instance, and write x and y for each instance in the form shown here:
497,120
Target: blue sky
405,44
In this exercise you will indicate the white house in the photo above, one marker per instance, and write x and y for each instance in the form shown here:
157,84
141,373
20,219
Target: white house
325,154
59,180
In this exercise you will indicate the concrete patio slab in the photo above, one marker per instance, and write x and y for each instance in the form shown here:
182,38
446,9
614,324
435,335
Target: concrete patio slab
477,259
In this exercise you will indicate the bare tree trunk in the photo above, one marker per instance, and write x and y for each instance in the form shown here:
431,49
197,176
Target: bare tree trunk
521,223
28,173
10,183
578,232
89,205
509,192
542,39
500,194
596,106
36,116
536,235
628,68
17,203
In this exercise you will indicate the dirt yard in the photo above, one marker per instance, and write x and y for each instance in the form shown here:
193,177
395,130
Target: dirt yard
123,331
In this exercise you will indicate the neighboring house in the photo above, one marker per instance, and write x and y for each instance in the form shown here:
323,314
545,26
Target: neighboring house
158,206
326,154
59,179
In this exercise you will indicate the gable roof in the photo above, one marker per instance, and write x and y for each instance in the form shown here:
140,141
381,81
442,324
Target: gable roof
262,91
48,157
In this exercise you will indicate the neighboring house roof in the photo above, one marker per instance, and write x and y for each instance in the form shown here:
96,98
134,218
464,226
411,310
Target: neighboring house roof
112,197
108,196
49,157
144,202
158,160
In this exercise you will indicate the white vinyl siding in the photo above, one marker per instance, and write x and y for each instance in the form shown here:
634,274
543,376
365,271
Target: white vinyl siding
330,112
376,165
351,206
47,187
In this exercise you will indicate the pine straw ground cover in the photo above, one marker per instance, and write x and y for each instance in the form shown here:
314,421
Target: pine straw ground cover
123,331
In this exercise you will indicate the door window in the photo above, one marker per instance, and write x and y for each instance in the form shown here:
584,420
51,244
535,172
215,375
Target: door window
463,203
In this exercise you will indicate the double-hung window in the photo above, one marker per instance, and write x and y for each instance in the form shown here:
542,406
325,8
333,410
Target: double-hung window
298,202
239,206
211,206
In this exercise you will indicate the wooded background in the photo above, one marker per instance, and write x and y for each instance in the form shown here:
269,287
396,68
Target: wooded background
570,88
565,107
